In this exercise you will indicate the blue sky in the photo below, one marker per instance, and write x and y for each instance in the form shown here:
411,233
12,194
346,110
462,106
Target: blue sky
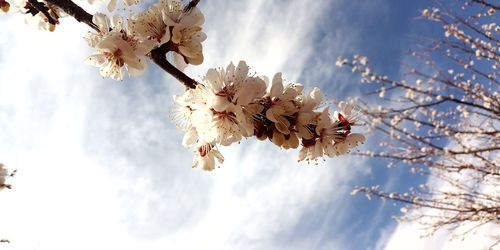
102,167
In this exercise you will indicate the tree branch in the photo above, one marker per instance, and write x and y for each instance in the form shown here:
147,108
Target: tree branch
75,11
158,55
41,7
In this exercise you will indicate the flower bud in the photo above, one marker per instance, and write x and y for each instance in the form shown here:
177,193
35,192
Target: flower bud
51,27
5,6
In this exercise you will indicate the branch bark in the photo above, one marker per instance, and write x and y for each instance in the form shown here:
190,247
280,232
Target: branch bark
158,56
75,11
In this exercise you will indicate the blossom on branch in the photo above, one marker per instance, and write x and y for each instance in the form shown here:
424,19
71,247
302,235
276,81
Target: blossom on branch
117,48
149,25
231,104
42,14
186,31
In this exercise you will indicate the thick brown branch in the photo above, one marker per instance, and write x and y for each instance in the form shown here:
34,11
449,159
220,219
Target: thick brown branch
75,11
158,56
41,7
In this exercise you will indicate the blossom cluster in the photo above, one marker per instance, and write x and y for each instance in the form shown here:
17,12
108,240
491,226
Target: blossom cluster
232,104
38,13
125,43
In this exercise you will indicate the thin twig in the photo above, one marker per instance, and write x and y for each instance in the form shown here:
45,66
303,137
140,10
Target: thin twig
191,5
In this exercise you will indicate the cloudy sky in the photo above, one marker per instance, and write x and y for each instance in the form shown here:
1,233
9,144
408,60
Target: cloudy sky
101,166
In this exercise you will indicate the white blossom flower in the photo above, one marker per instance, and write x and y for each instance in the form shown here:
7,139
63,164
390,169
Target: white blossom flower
332,135
322,144
282,103
231,104
112,55
348,114
233,85
306,114
229,92
311,152
116,48
186,30
287,141
149,25
46,20
205,156
189,107
105,26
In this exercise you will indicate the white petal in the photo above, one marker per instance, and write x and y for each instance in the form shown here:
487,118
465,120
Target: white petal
102,22
214,80
293,141
219,103
111,5
277,85
278,139
208,163
188,51
354,139
218,155
176,34
341,148
241,72
190,138
195,60
137,70
145,47
229,73
179,61
283,125
316,96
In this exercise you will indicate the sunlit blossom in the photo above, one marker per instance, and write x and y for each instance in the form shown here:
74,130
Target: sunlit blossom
230,105
116,48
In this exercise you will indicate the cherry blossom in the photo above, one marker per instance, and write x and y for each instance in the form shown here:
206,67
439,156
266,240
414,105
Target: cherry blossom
230,105
186,31
37,13
116,48
205,157
149,25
